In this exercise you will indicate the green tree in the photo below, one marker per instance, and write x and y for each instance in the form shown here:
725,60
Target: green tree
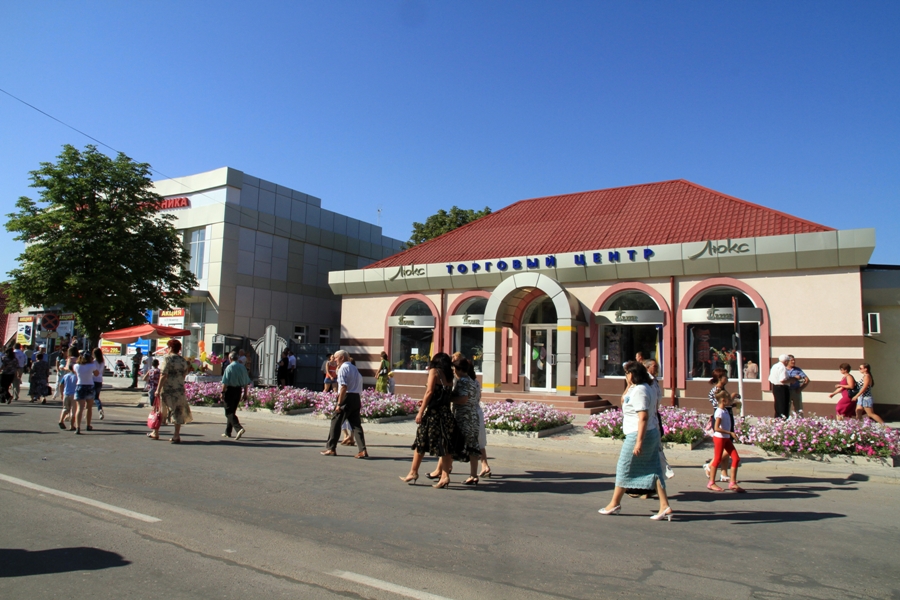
96,244
442,222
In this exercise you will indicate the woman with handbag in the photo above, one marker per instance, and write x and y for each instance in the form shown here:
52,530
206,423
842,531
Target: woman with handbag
436,426
381,383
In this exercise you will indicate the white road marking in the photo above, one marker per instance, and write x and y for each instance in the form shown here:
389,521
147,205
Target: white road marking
82,499
387,586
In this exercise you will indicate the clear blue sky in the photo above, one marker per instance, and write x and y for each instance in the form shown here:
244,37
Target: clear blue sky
414,106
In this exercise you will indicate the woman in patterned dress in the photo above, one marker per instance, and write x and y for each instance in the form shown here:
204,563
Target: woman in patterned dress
436,432
466,397
171,388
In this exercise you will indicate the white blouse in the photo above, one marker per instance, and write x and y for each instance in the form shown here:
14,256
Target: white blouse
638,398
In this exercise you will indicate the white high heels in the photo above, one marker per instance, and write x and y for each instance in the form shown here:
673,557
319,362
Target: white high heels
665,514
613,511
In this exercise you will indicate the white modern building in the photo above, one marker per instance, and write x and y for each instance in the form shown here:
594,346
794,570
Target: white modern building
262,253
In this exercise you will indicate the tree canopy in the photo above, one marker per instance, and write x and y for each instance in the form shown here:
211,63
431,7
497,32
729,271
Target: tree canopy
96,243
442,222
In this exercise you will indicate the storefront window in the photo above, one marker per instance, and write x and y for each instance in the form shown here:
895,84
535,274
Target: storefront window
711,342
467,330
631,322
412,336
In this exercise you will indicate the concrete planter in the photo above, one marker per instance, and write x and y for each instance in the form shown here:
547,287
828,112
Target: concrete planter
666,445
378,419
300,411
606,441
531,434
674,446
843,459
396,419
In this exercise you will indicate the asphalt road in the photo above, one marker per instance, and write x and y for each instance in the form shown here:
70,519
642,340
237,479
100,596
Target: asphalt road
268,517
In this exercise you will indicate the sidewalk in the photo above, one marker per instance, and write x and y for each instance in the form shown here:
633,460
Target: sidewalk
575,441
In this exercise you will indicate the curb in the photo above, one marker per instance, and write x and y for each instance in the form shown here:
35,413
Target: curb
531,434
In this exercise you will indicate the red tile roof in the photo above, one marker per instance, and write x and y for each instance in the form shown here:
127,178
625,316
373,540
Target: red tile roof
668,212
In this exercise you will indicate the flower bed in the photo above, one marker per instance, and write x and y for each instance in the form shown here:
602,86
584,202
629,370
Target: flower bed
374,405
808,436
818,435
679,426
682,426
524,416
203,394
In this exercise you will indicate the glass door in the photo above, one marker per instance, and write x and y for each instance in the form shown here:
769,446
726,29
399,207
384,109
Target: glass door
540,358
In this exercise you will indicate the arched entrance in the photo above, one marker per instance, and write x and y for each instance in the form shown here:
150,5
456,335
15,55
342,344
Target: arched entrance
500,313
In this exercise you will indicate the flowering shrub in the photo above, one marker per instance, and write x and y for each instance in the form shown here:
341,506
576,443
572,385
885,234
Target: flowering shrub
680,426
607,424
524,416
818,435
203,394
293,398
374,405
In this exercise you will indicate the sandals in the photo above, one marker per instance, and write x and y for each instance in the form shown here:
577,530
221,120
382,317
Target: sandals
175,440
713,487
736,488
485,473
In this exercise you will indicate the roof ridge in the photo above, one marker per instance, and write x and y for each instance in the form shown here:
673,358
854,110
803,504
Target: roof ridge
754,205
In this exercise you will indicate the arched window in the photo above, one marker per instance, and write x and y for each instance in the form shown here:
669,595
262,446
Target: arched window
629,323
467,330
412,336
711,341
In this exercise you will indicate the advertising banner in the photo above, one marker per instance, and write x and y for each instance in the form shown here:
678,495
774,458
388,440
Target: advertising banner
66,325
170,318
25,334
107,347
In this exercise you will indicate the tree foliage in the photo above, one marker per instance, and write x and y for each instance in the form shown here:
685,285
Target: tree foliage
96,243
442,222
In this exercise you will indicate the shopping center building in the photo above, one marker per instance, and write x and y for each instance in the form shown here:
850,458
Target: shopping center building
551,296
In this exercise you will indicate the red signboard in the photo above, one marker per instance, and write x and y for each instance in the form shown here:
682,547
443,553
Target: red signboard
168,203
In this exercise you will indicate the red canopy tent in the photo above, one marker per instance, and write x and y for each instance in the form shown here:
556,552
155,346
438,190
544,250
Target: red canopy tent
129,335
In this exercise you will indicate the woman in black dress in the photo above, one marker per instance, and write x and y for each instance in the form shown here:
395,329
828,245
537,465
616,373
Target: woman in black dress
436,432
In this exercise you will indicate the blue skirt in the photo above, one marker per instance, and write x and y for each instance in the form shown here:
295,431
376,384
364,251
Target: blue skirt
643,471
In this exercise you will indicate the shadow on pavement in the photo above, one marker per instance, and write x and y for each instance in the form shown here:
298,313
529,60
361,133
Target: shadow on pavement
746,517
22,563
551,482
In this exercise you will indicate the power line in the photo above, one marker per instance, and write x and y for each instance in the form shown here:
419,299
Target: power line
240,209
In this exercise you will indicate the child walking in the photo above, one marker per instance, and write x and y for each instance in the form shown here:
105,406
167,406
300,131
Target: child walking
68,382
723,438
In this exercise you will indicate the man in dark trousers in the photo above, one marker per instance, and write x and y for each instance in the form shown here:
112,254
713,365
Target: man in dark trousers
135,368
235,383
348,405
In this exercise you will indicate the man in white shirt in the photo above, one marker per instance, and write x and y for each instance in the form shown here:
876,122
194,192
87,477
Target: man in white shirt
780,381
348,405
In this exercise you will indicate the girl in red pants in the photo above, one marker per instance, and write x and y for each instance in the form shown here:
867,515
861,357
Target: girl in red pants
724,437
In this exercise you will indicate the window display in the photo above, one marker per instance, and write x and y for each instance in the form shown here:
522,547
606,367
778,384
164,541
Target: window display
630,322
711,343
467,330
412,336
